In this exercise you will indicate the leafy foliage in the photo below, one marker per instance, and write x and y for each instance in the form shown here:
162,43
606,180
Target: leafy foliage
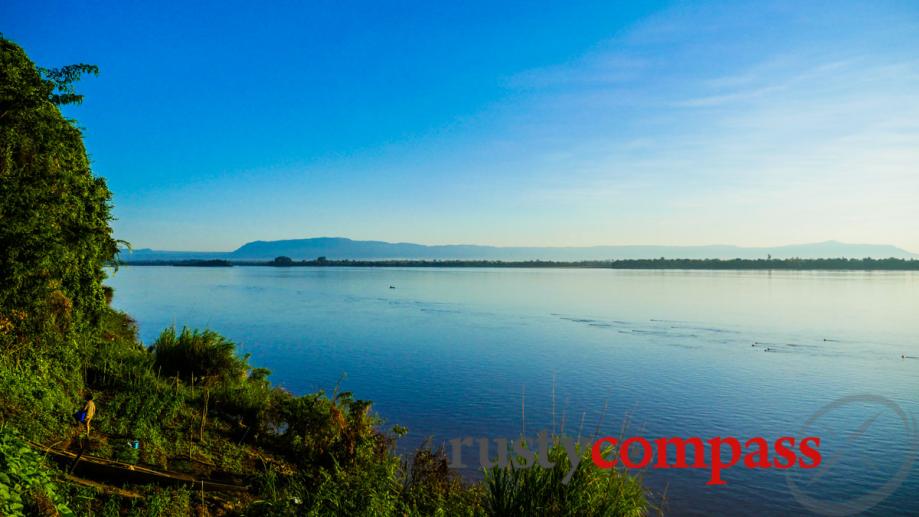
63,79
26,482
55,237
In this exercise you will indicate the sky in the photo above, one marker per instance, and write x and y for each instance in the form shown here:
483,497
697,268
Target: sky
504,123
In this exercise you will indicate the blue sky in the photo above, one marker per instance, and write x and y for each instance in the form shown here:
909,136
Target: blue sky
511,123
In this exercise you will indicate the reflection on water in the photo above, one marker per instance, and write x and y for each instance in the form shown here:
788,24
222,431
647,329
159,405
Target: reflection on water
449,352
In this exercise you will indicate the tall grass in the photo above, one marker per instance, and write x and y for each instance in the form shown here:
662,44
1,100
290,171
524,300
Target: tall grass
194,354
520,489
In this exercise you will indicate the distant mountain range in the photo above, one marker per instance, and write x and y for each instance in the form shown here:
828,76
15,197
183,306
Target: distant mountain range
338,248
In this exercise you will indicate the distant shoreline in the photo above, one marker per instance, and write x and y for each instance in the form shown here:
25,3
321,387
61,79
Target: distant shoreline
836,264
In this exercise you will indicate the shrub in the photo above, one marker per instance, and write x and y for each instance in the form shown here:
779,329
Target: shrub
252,403
323,432
431,488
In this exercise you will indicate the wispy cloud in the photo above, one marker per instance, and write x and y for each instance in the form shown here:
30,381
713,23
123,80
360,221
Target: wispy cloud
730,98
601,69
801,126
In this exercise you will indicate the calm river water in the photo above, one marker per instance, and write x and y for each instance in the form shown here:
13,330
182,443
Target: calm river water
450,353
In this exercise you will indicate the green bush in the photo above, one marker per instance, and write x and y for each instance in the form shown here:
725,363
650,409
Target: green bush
431,488
39,396
252,403
318,431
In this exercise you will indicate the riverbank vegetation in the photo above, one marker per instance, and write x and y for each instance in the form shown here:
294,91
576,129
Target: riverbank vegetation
791,264
186,425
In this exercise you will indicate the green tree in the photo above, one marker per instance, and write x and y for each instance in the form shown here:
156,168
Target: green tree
55,235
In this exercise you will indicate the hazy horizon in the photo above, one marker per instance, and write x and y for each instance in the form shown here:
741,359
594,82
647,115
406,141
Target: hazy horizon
716,244
653,123
139,246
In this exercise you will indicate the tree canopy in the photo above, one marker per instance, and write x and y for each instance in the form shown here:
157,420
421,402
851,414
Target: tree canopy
55,235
